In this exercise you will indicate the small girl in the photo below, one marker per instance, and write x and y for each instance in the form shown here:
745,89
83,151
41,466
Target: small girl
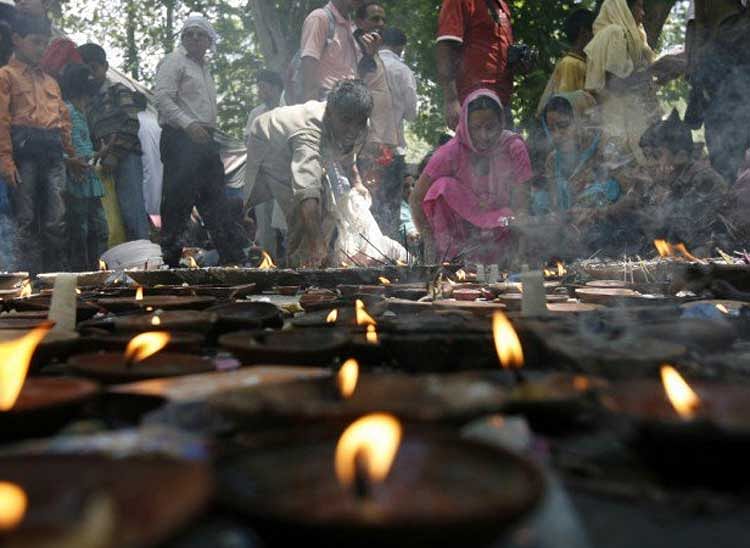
87,223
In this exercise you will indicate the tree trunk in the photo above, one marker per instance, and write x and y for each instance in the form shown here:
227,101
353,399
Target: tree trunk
131,57
657,12
168,39
271,39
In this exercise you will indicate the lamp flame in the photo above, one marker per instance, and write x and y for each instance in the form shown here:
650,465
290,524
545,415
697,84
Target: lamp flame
561,271
460,275
13,504
144,345
333,315
721,308
684,400
102,265
361,315
15,357
267,262
25,288
139,293
507,344
399,262
192,263
156,320
663,248
346,378
368,446
371,335
383,280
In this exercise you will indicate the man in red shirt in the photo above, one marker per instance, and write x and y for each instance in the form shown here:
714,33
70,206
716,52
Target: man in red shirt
473,40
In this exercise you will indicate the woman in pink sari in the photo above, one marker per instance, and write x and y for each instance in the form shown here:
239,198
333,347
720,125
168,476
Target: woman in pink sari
474,185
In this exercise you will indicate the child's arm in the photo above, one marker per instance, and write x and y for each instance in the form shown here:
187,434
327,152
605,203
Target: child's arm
76,165
7,165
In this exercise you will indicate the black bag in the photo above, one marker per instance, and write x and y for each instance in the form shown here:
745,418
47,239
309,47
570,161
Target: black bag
42,145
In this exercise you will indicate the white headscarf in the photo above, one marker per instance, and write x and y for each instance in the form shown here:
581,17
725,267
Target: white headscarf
197,21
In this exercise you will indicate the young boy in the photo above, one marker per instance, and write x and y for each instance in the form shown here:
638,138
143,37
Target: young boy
570,71
113,121
695,192
35,137
87,223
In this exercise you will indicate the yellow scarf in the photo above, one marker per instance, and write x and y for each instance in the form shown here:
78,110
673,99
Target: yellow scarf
619,45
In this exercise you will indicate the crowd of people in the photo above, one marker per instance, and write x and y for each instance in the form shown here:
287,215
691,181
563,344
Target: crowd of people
604,170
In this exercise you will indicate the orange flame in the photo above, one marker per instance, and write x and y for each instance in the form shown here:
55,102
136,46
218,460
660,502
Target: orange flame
15,357
139,293
375,439
721,308
372,335
25,288
346,378
344,264
333,315
192,263
13,504
549,273
361,315
102,265
666,249
146,344
156,320
507,344
460,275
267,262
383,280
561,271
684,400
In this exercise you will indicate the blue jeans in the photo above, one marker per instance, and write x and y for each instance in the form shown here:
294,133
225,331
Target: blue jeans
128,177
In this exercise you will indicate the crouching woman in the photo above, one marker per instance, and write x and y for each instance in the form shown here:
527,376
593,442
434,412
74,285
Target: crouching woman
474,185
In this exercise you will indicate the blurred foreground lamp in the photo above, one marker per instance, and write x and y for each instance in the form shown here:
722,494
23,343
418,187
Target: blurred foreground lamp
15,357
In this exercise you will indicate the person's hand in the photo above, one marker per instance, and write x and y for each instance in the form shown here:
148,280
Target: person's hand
668,68
197,133
371,43
11,177
452,112
77,167
359,188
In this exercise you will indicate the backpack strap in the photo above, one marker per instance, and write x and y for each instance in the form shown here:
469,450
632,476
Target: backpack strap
331,24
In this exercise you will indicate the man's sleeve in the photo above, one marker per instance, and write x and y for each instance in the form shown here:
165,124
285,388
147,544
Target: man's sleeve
408,86
314,35
166,88
307,167
451,21
6,147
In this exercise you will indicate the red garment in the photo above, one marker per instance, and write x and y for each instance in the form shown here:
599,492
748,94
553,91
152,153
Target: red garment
61,52
485,45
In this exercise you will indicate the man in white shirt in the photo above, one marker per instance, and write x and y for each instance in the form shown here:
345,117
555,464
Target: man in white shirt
149,133
270,88
185,96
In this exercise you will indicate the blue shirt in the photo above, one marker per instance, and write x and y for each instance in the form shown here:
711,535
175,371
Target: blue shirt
90,186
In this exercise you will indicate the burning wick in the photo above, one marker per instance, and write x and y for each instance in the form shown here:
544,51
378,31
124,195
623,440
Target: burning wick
267,262
15,357
192,263
156,320
25,288
102,265
144,345
684,400
507,345
371,335
139,293
460,275
365,452
333,315
346,378
721,308
361,315
383,280
13,504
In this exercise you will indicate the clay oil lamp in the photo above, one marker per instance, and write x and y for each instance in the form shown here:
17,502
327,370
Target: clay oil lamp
513,301
379,484
551,402
365,338
308,346
435,399
169,320
11,280
357,290
317,299
246,315
140,302
98,500
142,359
38,405
92,279
117,342
697,432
